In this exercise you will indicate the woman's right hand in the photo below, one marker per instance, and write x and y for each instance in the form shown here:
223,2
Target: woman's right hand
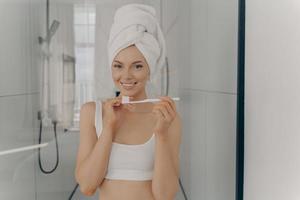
112,112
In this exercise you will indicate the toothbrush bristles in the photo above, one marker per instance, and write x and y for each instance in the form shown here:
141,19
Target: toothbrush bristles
125,99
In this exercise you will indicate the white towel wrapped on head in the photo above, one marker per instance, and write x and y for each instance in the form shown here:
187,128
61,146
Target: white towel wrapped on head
137,24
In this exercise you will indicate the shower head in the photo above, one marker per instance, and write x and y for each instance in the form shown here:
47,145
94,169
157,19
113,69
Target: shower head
50,32
53,28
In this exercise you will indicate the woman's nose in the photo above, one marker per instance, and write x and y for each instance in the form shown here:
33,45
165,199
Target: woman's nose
127,73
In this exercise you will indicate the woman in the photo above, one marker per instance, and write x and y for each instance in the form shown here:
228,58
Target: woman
131,151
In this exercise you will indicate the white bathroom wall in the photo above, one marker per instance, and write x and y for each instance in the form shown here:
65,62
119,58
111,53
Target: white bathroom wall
272,99
172,21
20,22
208,76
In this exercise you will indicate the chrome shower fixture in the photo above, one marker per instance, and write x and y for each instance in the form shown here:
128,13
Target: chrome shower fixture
50,32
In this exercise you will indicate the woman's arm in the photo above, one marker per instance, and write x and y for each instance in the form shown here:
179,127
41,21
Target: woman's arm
93,154
166,167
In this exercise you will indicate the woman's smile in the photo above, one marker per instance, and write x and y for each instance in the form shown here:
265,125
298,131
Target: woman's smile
128,85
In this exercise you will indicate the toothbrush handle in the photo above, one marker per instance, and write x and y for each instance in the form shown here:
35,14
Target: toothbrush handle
145,101
152,100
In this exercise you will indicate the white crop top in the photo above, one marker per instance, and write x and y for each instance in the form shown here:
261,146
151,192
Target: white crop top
128,162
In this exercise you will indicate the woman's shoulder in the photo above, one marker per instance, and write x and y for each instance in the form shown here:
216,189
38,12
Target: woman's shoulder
88,106
87,110
91,105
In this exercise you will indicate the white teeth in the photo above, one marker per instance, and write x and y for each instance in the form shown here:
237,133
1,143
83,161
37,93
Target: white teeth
126,84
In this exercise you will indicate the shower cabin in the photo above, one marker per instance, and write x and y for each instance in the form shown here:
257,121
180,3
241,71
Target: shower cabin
53,59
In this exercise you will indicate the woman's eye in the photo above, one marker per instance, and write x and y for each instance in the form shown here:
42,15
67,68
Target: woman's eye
139,66
118,66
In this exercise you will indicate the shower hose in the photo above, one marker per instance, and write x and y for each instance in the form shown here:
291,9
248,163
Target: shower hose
57,153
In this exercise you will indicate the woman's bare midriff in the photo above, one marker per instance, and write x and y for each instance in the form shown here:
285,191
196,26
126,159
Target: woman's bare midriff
125,190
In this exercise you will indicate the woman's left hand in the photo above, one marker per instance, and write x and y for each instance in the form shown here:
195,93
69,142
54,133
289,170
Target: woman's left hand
165,113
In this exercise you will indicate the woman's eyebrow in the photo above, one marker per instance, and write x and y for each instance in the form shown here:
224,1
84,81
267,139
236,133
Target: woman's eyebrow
132,63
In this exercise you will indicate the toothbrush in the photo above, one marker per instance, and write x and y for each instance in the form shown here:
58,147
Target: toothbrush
125,99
